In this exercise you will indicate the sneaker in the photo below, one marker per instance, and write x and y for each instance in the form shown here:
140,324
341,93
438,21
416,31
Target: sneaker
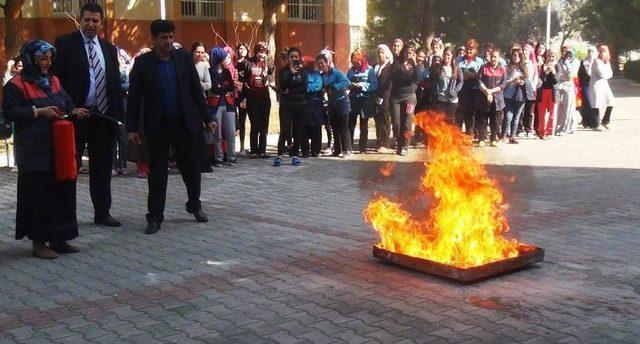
114,173
83,170
328,151
217,163
493,144
296,161
14,169
143,175
513,141
232,162
480,143
124,172
346,155
253,156
277,161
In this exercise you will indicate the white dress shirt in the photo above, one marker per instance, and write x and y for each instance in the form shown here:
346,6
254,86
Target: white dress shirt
91,96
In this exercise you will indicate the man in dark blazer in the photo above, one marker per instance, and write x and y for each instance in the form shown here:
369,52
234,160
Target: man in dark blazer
88,70
164,88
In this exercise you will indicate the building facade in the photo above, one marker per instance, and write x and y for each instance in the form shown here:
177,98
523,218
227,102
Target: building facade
309,24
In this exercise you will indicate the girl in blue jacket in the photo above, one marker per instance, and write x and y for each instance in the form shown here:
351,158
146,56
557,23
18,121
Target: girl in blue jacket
335,84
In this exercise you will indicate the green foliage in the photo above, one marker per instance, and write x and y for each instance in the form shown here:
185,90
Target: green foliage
632,70
499,21
613,23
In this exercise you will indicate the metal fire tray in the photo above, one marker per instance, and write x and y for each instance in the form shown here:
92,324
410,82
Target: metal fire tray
528,256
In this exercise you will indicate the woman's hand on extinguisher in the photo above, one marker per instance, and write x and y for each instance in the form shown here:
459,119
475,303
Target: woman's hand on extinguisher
50,112
134,137
80,113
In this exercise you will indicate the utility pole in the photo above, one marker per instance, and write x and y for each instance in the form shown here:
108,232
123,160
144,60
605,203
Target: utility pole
548,24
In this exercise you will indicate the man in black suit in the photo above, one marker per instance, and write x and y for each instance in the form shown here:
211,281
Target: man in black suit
88,70
165,89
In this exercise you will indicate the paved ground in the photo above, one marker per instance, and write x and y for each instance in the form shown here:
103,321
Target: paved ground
287,257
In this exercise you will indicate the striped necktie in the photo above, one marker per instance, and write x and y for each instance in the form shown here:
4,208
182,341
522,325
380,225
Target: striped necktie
98,74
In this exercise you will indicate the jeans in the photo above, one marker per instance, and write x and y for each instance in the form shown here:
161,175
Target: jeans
226,121
513,110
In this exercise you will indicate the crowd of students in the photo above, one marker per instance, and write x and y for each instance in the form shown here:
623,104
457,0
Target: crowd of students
529,91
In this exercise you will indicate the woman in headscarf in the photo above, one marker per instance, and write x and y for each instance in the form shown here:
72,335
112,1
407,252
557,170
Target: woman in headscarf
222,102
527,120
383,110
584,78
33,100
601,95
567,123
363,85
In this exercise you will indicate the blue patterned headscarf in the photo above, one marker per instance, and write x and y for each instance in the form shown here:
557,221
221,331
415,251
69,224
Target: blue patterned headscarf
29,53
217,55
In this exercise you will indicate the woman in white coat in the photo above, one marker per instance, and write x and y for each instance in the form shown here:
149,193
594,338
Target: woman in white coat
601,96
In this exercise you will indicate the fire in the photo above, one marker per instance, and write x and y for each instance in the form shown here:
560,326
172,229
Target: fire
387,169
466,219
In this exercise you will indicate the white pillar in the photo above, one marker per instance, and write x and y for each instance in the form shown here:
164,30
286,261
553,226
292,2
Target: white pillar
163,9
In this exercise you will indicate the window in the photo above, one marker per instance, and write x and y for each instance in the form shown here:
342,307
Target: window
61,7
209,9
305,10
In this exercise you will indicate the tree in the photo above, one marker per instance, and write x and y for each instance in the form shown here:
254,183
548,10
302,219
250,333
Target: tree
269,22
569,19
612,23
13,26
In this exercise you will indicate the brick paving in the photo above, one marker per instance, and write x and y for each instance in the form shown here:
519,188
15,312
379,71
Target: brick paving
286,256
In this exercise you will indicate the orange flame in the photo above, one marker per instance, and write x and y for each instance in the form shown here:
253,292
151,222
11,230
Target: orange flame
387,169
467,217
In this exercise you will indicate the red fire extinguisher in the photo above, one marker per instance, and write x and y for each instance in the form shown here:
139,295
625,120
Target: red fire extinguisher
64,151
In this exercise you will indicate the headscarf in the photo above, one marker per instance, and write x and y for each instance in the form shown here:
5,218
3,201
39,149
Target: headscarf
231,53
360,56
387,53
29,52
217,55
329,55
532,57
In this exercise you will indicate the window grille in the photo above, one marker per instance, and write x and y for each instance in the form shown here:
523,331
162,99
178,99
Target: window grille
305,10
209,9
61,7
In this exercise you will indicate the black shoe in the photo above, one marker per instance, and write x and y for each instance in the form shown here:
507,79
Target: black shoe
107,221
200,216
152,228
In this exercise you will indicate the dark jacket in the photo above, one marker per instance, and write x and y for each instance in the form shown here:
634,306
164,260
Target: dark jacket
549,81
33,139
384,83
455,85
293,86
71,66
222,87
257,74
405,81
583,75
491,78
144,87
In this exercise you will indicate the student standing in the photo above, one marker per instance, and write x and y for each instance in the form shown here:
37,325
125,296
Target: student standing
405,76
293,103
548,96
335,84
363,83
601,95
492,82
257,74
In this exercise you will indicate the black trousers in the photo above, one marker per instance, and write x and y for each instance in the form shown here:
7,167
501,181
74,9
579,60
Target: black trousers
291,121
492,116
100,138
467,109
175,133
241,124
340,127
606,118
402,118
383,125
361,108
311,133
258,110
